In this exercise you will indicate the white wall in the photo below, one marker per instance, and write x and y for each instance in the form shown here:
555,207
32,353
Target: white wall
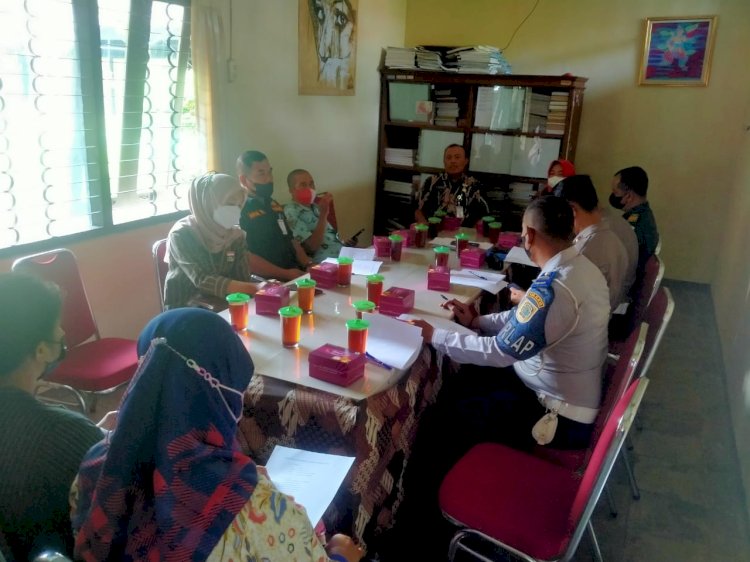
335,137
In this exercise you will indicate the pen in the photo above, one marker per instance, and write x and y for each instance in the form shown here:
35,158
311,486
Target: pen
371,359
477,275
444,297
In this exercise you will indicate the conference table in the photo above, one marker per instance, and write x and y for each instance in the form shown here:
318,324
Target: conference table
374,420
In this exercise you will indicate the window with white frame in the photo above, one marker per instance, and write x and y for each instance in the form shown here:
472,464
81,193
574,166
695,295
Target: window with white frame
97,115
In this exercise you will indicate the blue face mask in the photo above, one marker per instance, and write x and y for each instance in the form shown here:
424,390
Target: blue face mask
52,365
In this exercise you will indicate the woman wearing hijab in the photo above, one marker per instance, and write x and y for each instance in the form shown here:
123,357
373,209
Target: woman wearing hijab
206,250
170,482
558,170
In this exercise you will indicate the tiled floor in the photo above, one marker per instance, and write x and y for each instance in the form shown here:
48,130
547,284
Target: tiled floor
692,502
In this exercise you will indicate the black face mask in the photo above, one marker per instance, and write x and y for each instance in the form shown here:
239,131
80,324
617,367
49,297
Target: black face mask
53,364
263,190
616,201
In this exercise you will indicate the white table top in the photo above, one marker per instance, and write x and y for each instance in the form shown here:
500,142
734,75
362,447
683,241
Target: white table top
327,324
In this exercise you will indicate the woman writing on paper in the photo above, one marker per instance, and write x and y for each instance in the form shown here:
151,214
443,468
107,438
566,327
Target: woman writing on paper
171,482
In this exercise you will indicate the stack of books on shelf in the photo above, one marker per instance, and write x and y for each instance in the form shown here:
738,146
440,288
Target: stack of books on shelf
538,111
400,57
521,192
446,108
398,187
428,60
477,60
399,156
558,112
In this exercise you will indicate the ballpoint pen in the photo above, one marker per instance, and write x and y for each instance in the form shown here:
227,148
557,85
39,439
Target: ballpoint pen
377,362
444,297
477,275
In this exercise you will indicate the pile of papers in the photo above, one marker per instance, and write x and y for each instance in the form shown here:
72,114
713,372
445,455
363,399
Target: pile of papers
428,60
481,59
399,156
400,57
487,280
391,342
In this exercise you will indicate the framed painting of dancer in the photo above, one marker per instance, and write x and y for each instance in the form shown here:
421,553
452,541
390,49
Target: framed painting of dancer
677,51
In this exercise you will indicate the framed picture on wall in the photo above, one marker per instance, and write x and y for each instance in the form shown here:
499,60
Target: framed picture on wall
677,51
327,47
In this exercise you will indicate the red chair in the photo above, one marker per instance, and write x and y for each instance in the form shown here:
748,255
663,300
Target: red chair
507,499
93,364
159,251
657,316
616,381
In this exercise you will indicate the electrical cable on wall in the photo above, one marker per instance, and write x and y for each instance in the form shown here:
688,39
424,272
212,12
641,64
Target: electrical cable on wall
523,21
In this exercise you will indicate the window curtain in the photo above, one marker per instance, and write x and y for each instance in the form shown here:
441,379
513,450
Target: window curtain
208,64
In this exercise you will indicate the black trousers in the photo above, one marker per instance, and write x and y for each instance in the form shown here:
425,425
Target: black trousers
475,405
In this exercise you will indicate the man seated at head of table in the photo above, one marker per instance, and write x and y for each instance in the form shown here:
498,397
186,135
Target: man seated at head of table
206,250
178,487
308,219
453,191
273,251
596,240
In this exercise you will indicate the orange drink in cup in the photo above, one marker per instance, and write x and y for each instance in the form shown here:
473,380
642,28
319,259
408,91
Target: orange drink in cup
291,320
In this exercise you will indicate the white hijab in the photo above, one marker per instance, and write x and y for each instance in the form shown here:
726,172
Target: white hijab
208,193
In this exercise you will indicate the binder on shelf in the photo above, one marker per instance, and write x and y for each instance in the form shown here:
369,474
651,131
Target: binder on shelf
404,101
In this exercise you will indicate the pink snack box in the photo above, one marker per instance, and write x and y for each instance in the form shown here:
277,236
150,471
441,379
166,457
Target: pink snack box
509,239
336,365
325,274
270,298
452,223
382,246
473,257
408,235
396,301
439,279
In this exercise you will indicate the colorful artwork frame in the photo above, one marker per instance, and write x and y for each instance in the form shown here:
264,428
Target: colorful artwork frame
677,51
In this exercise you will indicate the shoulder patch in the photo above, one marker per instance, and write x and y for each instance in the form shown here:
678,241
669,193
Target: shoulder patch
256,214
633,218
276,207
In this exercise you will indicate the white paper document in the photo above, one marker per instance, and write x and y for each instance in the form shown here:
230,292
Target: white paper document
487,280
517,255
393,342
367,254
452,243
438,322
360,267
312,478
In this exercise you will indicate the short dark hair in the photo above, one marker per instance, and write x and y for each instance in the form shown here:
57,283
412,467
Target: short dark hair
454,145
29,311
246,160
579,189
552,216
634,179
292,174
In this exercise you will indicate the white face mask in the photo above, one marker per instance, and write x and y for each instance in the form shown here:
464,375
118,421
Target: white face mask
227,215
554,180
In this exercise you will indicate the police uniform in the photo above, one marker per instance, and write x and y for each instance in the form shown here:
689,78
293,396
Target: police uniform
642,219
267,233
613,218
602,246
555,339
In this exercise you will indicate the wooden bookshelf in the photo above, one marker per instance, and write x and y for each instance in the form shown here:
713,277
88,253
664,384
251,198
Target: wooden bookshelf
463,94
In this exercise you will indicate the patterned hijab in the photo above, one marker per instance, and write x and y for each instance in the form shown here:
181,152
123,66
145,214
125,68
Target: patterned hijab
207,193
171,478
